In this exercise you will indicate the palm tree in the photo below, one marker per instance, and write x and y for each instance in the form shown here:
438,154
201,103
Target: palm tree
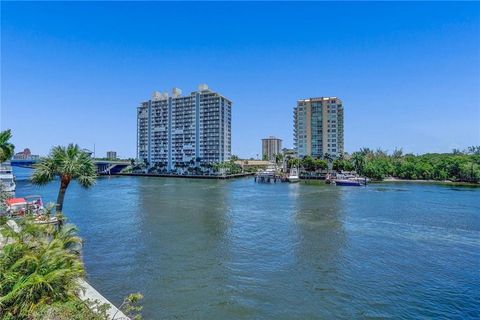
358,162
68,163
6,148
37,270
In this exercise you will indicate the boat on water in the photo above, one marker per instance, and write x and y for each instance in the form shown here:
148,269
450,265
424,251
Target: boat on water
267,176
7,179
349,180
293,176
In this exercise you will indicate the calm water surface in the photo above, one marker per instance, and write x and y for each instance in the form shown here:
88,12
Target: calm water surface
238,250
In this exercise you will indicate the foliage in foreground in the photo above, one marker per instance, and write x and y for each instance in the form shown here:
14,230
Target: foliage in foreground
6,148
39,275
71,310
39,268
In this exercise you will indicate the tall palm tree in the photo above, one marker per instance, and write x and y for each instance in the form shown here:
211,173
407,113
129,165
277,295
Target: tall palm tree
68,163
6,148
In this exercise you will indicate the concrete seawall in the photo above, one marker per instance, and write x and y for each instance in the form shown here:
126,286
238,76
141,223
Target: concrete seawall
89,293
232,176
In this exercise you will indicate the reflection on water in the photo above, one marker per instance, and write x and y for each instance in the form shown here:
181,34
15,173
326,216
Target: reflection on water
239,250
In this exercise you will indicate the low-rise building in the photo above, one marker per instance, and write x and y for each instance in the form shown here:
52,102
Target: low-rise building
253,165
26,154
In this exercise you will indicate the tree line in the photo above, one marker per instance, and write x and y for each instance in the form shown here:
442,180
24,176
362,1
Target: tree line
459,166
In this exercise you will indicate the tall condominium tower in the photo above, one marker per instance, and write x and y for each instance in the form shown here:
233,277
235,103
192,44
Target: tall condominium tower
271,146
178,131
318,127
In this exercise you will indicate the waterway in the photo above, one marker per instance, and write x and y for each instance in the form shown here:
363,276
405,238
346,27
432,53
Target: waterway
206,249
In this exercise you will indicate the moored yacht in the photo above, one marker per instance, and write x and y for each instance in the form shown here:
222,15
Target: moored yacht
7,179
268,175
350,180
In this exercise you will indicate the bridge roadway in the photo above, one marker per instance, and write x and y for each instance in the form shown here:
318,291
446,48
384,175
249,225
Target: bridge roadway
103,166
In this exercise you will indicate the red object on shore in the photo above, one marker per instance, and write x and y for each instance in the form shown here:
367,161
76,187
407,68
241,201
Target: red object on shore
15,201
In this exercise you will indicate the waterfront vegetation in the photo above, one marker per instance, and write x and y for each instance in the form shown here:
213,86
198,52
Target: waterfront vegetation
457,166
39,270
6,148
67,163
193,167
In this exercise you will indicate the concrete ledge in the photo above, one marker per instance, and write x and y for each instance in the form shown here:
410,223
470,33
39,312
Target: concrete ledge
89,293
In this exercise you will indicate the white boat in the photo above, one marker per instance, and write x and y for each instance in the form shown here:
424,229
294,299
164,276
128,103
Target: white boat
293,176
350,180
268,175
7,179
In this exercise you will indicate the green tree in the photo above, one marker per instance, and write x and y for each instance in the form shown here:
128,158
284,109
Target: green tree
68,163
358,159
6,148
37,269
338,165
278,158
474,150
320,164
308,163
294,163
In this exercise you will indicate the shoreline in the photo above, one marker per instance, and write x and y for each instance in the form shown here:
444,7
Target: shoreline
305,178
392,179
232,176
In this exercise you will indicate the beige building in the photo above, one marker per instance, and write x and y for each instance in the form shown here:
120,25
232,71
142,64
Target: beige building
253,164
271,146
318,127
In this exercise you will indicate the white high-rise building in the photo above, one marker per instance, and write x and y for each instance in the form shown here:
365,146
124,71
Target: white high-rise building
181,131
318,127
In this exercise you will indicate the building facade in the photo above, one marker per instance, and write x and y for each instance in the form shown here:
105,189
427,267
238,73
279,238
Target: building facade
180,131
318,127
26,154
271,146
111,155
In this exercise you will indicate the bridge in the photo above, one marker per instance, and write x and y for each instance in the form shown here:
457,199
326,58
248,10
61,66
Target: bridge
103,166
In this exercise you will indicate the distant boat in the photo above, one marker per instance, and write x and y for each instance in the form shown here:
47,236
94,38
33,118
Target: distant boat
293,176
7,179
349,180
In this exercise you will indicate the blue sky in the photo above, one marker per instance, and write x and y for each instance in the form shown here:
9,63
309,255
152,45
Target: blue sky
408,73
